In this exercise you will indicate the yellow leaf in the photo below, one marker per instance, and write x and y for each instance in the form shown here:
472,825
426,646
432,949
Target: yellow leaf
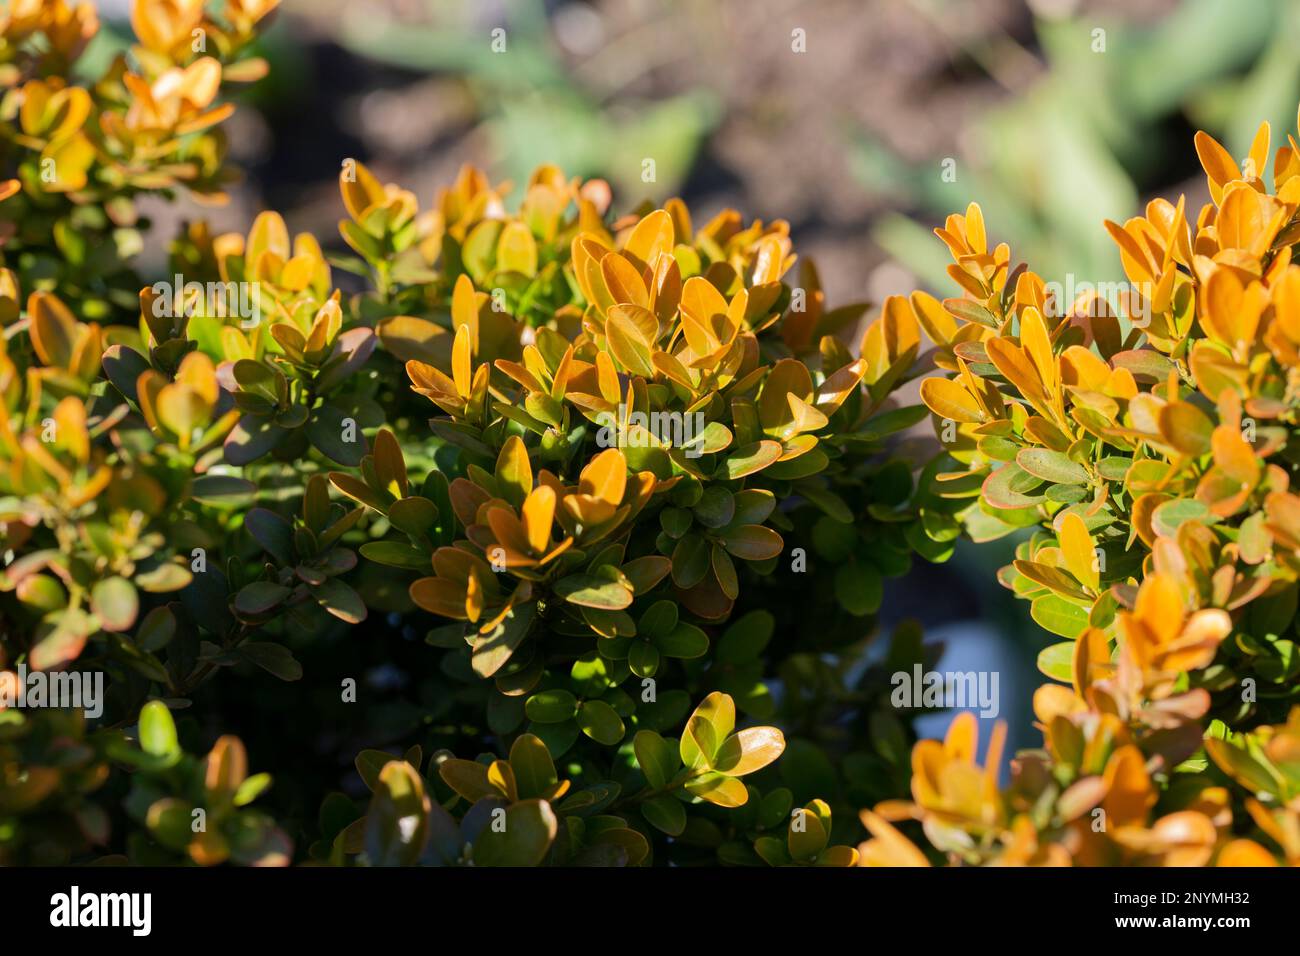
1160,607
718,712
587,252
268,234
390,467
1129,792
70,428
1220,167
502,776
360,189
605,477
938,324
227,766
197,371
960,742
1077,551
514,473
975,236
517,250
623,281
652,237
750,750
53,330
1038,346
1258,156
702,301
1234,455
1091,659
1245,852
627,342
888,847
539,514
718,789
950,401
461,367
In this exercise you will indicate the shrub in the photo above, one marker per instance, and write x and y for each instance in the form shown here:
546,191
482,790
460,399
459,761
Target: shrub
639,426
1149,443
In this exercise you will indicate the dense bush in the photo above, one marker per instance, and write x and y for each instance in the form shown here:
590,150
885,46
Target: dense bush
1150,443
571,527
654,487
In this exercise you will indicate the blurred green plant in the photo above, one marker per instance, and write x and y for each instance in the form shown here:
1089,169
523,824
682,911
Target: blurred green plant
533,107
1077,145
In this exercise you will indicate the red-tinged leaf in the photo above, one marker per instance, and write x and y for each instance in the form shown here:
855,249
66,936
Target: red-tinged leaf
753,542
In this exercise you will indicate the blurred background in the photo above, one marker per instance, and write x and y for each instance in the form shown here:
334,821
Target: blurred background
861,122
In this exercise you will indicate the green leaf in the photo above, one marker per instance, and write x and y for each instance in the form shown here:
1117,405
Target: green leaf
158,731
170,821
599,721
675,521
340,600
115,603
395,554
251,438
252,788
665,813
659,619
533,767
530,826
336,436
772,850
775,808
1144,363
1052,466
1057,661
745,638
588,590
1059,616
691,561
259,597
685,641
493,651
752,458
369,763
643,658
220,487
656,758
805,466
858,587
397,821
716,507
123,367
807,837
1011,487
1167,517
414,515
156,630
551,706
272,532
274,658
752,542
